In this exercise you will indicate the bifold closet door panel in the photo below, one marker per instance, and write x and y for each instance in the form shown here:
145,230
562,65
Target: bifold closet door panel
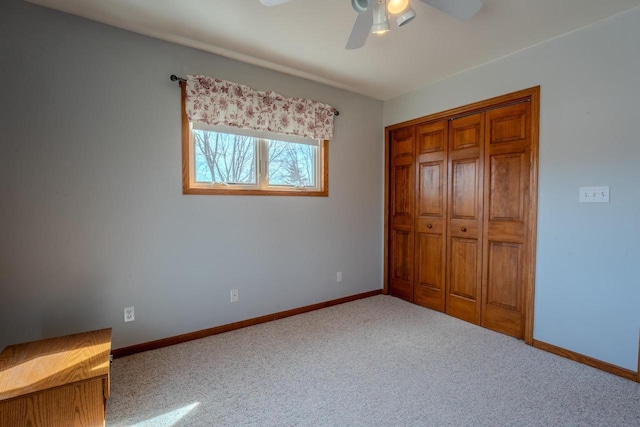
507,174
430,215
464,228
402,192
461,211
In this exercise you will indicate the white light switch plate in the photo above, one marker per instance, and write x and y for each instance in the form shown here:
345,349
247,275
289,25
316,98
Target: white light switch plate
594,194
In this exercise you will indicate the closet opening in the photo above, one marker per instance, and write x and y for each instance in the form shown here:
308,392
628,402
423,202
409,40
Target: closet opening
461,211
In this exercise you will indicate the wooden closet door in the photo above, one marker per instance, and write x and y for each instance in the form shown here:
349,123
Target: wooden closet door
401,213
464,241
430,216
506,213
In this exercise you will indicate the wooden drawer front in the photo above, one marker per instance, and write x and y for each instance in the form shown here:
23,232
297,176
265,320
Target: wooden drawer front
78,405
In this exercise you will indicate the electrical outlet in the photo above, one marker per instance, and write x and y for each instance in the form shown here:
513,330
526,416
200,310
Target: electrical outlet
234,295
339,276
129,314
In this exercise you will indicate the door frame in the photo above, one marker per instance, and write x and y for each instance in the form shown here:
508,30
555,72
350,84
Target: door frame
533,95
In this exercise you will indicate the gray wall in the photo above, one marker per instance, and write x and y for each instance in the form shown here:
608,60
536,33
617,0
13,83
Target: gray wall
92,217
587,285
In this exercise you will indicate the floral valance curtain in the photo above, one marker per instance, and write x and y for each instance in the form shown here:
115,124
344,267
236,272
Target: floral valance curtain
219,102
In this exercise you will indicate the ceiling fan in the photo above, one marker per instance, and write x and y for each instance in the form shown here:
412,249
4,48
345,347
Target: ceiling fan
373,15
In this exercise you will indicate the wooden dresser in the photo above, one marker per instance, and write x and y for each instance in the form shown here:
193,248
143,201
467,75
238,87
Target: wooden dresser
56,382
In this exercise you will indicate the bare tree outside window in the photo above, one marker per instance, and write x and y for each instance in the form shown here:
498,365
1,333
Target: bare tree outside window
231,159
292,164
222,157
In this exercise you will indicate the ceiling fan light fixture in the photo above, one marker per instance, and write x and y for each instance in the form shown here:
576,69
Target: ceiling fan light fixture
380,28
360,6
380,20
406,17
397,6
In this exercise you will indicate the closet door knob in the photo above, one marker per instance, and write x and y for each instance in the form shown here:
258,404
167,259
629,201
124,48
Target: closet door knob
429,226
463,229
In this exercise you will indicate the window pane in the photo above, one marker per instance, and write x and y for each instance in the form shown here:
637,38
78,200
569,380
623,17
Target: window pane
292,164
221,157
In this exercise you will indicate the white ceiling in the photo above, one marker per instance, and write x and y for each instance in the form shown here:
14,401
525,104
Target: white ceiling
306,38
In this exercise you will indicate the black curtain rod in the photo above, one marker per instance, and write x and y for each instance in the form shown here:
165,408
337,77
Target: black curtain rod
175,78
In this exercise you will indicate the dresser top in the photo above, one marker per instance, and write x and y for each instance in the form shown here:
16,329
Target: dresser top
54,362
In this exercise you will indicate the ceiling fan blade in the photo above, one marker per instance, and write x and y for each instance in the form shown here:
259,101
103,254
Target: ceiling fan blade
273,2
360,31
459,9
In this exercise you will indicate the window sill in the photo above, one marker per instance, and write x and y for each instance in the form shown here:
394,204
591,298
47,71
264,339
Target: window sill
236,192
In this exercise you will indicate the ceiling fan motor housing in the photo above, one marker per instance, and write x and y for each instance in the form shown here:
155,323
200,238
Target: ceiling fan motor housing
360,6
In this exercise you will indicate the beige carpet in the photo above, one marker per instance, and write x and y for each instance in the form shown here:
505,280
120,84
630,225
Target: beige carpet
373,362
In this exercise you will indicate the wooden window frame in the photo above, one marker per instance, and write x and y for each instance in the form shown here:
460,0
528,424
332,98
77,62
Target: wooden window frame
187,174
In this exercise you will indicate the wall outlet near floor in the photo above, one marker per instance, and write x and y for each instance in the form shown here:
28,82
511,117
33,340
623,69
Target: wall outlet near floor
129,314
234,295
339,276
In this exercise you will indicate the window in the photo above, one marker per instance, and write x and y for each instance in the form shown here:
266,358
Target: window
233,161
236,140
